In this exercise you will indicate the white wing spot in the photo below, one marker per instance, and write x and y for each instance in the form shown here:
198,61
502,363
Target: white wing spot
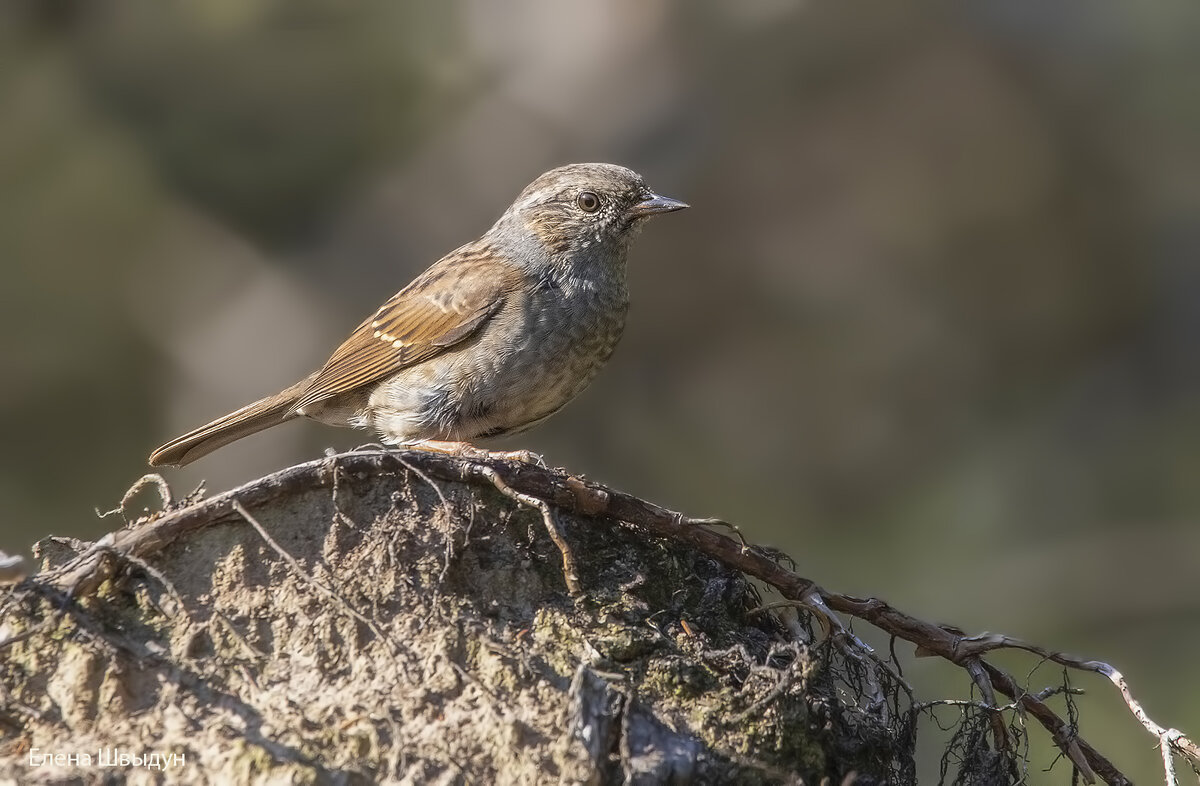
397,343
377,333
441,301
384,337
375,324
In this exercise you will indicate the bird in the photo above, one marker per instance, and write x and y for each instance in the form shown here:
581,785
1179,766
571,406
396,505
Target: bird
492,339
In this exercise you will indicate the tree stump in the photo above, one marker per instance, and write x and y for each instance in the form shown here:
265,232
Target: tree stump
394,617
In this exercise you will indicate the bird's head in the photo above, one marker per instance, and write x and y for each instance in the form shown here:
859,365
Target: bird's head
586,207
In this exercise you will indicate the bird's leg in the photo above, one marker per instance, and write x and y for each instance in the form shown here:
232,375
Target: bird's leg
469,451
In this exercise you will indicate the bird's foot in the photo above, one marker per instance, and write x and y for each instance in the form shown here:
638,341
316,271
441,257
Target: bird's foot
469,451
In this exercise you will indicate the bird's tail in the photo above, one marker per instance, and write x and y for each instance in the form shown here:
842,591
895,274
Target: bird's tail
250,419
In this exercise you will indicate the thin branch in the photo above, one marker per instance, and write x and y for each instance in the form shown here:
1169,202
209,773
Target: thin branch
152,479
570,573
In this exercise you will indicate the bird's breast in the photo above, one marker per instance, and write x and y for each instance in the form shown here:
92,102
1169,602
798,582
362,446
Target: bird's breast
557,340
536,354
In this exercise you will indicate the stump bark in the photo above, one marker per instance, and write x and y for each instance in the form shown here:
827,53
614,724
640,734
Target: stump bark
364,618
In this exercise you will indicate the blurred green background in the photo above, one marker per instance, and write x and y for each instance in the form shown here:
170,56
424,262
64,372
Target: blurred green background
931,326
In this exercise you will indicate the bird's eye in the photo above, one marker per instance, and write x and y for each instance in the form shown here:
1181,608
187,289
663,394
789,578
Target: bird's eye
588,202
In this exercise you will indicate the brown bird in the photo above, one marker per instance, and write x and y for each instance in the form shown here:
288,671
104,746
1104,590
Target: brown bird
494,338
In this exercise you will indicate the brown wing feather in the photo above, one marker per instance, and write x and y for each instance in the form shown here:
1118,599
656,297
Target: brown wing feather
443,306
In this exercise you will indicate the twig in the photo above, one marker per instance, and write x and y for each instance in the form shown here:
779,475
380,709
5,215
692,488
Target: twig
1168,760
568,558
1173,738
999,732
1041,695
152,479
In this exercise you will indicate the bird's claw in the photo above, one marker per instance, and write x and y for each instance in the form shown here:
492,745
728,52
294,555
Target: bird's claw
469,451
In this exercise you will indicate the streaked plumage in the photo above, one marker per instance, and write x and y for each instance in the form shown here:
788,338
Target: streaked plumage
492,339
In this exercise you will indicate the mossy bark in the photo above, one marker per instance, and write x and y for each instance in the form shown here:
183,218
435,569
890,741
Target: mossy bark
420,631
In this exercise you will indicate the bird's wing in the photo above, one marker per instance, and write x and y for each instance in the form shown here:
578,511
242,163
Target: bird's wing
443,306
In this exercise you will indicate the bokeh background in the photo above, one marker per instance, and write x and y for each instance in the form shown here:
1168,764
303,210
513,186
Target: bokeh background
931,326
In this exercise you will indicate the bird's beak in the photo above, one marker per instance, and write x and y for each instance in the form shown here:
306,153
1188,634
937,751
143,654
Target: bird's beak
654,204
